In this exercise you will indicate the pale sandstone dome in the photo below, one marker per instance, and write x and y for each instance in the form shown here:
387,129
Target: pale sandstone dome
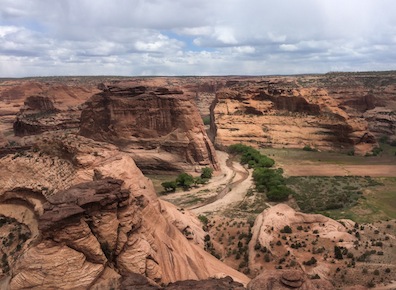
125,222
272,220
160,127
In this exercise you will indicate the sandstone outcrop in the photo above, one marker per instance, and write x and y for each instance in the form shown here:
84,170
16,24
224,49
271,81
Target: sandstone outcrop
85,216
161,128
287,279
39,115
297,230
3,141
274,114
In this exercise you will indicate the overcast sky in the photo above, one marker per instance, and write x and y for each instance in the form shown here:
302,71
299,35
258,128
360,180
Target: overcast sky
195,37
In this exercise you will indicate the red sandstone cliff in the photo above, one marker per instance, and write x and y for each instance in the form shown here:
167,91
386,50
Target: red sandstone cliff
273,114
160,127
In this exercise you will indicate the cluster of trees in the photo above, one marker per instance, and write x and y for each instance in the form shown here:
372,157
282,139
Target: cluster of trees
250,156
270,181
186,181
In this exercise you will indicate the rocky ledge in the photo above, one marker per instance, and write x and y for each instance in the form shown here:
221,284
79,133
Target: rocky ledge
39,115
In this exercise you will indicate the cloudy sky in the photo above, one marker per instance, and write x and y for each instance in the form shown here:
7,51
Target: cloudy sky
195,37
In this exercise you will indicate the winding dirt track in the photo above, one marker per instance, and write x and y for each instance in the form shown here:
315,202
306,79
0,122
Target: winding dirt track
227,187
233,192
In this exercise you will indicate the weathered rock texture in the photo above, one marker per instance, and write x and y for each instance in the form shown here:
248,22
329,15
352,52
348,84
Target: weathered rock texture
160,127
317,229
287,279
329,112
83,216
39,115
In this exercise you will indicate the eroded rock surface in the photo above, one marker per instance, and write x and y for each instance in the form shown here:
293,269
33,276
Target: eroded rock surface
160,127
96,220
285,114
39,115
287,279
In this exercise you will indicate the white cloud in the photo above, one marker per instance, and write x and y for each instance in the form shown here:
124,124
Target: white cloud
288,47
171,37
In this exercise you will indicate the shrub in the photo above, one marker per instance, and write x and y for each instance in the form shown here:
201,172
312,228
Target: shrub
310,262
309,148
337,253
169,186
185,180
286,229
203,219
206,173
206,120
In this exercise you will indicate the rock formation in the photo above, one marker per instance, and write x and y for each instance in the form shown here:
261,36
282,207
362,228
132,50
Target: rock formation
39,115
287,279
273,114
83,216
161,128
280,229
3,141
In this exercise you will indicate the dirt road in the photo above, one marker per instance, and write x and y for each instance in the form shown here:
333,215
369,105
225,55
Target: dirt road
227,187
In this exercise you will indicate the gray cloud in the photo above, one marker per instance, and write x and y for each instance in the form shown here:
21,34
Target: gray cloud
187,37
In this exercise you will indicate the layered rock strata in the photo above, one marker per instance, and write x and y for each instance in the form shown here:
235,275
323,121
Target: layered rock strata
39,115
85,216
266,114
161,128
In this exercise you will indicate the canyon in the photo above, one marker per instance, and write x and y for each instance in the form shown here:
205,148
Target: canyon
77,209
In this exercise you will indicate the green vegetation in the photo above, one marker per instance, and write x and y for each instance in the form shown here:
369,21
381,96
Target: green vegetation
169,186
207,173
251,156
270,181
186,181
203,219
321,193
309,148
206,120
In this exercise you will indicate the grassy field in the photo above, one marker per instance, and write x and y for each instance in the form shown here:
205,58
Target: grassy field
290,156
360,198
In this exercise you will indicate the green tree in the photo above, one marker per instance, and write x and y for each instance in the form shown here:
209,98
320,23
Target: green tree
337,253
169,186
206,173
185,180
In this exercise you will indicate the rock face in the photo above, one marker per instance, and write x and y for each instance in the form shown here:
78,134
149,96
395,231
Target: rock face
287,279
340,111
160,127
39,115
3,141
82,215
279,230
286,115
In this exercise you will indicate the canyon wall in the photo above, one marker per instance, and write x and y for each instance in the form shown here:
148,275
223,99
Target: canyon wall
161,128
38,115
330,112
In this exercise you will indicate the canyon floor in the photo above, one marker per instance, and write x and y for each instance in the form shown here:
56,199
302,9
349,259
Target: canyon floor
230,205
